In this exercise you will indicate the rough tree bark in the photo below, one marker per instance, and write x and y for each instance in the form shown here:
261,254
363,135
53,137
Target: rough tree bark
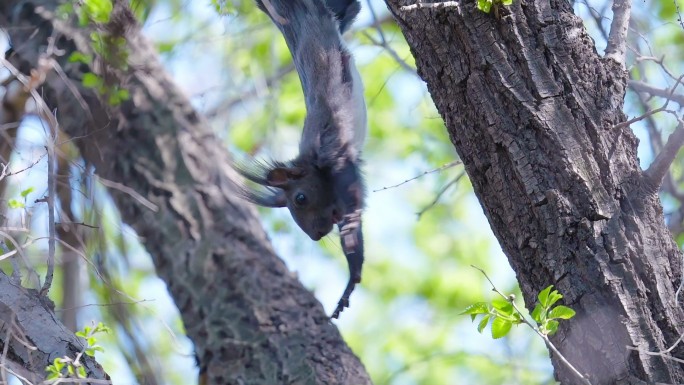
31,336
250,319
531,109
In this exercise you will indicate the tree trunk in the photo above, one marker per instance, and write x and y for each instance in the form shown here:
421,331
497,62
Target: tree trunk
531,108
250,319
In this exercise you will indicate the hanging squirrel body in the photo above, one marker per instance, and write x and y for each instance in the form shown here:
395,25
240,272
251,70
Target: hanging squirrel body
323,185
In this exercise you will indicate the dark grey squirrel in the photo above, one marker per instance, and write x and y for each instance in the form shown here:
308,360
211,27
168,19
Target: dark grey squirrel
323,185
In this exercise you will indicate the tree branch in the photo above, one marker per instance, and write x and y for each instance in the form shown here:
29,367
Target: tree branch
438,5
670,93
617,38
383,41
639,86
661,165
34,323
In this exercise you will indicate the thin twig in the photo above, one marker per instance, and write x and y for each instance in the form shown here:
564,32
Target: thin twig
15,374
77,224
127,190
383,41
37,77
651,112
17,247
598,17
51,215
660,61
445,4
105,304
448,165
439,194
10,173
4,172
244,96
663,353
30,83
551,346
679,13
76,381
15,229
16,250
402,63
74,91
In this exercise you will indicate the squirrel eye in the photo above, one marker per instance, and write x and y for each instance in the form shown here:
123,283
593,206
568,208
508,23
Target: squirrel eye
300,199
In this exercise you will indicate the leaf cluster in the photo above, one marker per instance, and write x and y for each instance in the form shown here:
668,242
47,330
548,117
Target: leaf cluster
486,5
110,48
503,315
547,316
67,367
500,312
18,204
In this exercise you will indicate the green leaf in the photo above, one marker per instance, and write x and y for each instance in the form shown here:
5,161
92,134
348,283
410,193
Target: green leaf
91,341
90,80
503,306
554,297
518,318
118,96
53,376
80,334
70,369
484,5
51,369
58,364
102,328
476,308
562,312
506,2
538,314
82,18
15,204
123,94
82,372
552,327
500,327
483,323
98,10
80,57
90,352
27,192
544,296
